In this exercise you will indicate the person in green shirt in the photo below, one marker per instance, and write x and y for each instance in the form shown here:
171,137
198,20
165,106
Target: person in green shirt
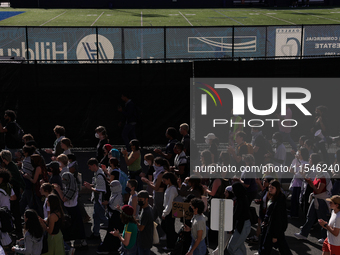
129,236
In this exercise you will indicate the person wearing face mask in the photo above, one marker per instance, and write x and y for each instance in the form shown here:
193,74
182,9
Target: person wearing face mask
158,188
101,134
111,243
145,225
98,187
69,195
12,141
131,187
198,228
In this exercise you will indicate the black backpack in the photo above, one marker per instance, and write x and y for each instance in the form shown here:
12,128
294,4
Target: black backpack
107,194
6,220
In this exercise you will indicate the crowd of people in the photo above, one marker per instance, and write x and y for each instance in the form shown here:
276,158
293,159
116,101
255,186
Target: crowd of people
135,205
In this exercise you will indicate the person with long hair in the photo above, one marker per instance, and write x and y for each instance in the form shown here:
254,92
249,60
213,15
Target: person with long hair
53,226
129,236
168,222
133,160
33,236
275,222
158,188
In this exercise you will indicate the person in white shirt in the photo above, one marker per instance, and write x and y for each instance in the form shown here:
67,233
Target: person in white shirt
6,195
69,195
168,222
98,188
331,244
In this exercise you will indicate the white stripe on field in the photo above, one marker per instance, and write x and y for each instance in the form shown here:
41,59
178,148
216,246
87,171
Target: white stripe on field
52,18
186,19
229,17
97,19
317,16
141,19
275,17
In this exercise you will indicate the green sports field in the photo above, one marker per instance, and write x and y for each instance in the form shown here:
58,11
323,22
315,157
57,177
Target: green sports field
171,17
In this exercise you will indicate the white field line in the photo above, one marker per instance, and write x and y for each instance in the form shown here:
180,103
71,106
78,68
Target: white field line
318,16
186,19
141,19
52,18
275,18
97,19
229,17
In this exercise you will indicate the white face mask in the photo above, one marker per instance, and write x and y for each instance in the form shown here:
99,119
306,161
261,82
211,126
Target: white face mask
96,135
274,141
146,163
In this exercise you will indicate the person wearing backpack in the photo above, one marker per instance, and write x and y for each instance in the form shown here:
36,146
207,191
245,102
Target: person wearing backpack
98,187
13,132
69,195
6,195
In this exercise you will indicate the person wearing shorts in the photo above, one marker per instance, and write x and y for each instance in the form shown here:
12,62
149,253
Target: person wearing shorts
331,244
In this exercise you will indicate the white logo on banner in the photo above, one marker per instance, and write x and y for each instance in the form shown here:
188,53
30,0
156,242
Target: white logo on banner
87,48
288,42
221,44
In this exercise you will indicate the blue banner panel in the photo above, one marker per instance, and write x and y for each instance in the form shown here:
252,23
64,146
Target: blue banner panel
321,40
144,43
12,41
249,42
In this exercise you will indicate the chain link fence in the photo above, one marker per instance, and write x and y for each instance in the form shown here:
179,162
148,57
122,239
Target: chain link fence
135,45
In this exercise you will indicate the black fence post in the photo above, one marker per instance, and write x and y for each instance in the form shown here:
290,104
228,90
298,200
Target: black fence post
27,52
232,45
301,47
164,44
97,45
123,46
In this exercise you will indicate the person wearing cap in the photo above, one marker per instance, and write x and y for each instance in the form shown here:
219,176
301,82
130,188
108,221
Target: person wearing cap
331,244
212,141
129,236
145,226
